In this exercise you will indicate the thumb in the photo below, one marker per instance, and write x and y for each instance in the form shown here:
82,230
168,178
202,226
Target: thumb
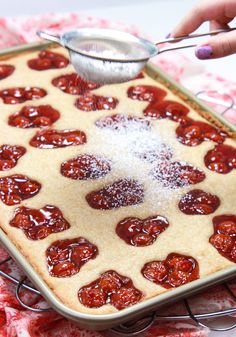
221,45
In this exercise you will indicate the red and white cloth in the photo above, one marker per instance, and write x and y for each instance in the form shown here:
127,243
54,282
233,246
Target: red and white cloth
18,322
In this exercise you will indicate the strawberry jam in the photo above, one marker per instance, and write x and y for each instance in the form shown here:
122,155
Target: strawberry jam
174,271
162,154
20,95
17,187
125,192
222,159
6,70
141,232
48,60
147,93
37,224
177,174
166,109
89,102
66,257
192,133
199,202
34,117
51,139
73,84
224,237
85,167
110,288
121,123
9,155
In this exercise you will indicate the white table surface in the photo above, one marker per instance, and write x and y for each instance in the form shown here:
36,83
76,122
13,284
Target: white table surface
154,17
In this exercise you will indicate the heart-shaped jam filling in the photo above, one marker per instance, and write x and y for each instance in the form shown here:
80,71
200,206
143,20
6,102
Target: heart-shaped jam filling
110,288
89,102
121,123
34,117
6,70
174,271
141,232
124,192
17,187
37,224
166,109
222,159
139,76
51,139
177,174
199,202
48,60
159,154
66,257
85,167
224,237
73,84
147,93
9,155
20,94
193,133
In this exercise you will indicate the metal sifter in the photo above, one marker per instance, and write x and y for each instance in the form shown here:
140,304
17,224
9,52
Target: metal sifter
109,56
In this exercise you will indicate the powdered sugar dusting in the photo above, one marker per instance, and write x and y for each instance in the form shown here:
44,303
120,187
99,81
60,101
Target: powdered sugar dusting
135,151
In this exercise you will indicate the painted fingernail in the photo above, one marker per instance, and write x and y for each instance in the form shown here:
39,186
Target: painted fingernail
168,36
204,52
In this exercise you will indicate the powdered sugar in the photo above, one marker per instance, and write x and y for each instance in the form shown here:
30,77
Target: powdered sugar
135,151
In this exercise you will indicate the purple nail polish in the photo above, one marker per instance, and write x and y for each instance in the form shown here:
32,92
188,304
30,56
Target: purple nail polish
168,36
204,52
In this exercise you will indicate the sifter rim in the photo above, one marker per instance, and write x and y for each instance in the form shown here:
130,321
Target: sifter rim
128,38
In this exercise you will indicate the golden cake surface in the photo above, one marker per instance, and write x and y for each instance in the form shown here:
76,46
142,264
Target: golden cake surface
123,184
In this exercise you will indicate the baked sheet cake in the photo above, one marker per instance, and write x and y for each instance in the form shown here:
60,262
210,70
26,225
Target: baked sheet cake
113,193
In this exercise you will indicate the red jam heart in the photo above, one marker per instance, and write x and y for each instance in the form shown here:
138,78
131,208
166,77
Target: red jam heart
85,167
34,117
20,95
48,60
222,159
9,156
66,257
6,70
193,133
110,288
121,123
199,202
51,139
172,110
89,102
177,174
73,84
224,237
147,93
37,224
141,232
17,187
122,193
139,76
174,271
163,153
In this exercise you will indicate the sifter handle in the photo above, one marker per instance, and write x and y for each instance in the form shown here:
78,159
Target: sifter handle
191,36
54,38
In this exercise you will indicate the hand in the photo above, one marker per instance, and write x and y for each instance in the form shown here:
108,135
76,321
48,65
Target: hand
219,13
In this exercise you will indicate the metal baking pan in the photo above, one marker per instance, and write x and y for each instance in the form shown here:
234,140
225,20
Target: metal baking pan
101,322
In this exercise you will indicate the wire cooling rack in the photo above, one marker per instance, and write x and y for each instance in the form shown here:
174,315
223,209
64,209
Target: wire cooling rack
136,327
208,97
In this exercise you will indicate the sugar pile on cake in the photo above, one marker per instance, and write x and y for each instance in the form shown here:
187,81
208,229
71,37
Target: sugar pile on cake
138,153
